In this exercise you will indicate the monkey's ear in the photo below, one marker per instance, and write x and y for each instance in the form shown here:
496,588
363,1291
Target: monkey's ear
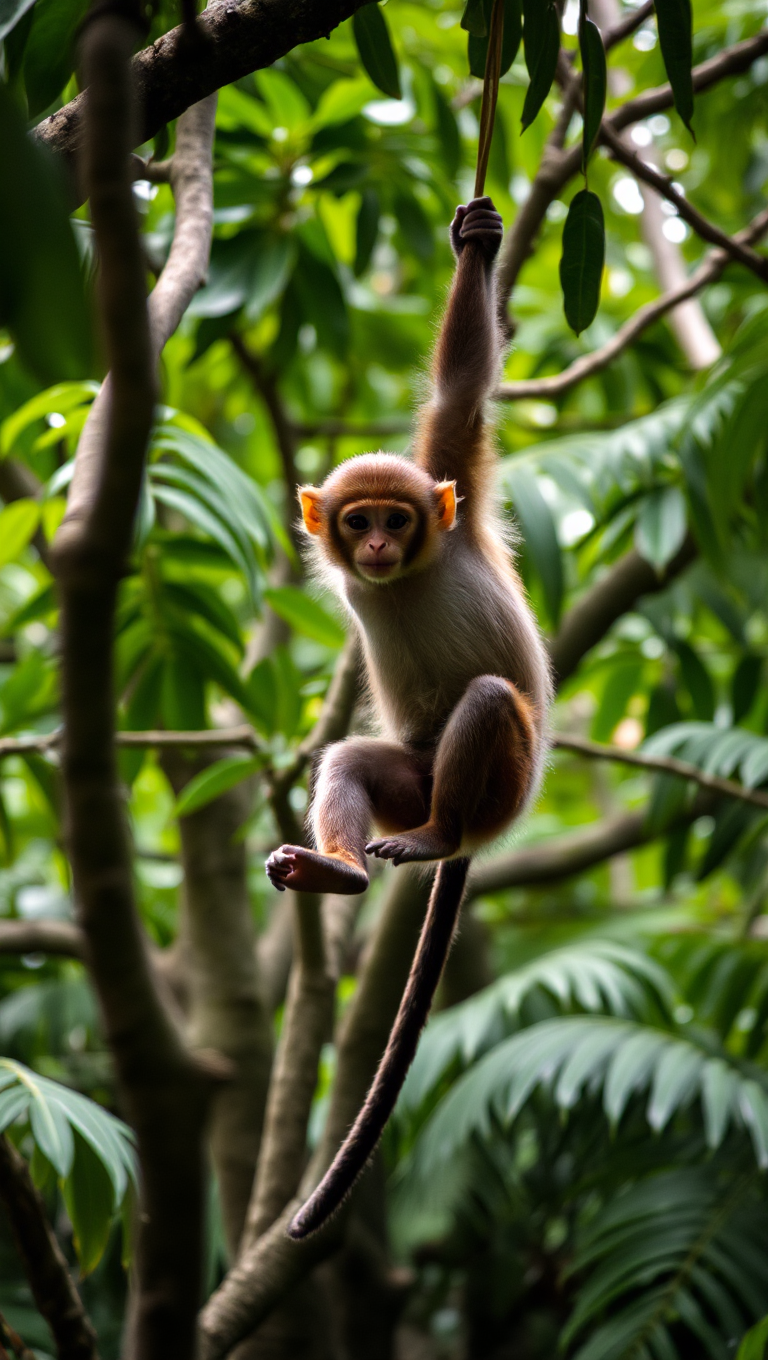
445,495
311,508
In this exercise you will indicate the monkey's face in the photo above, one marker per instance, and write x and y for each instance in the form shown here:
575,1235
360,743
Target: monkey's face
379,537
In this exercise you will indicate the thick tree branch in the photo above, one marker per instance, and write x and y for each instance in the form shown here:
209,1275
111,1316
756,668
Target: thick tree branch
171,76
61,938
52,1285
166,1093
588,621
589,364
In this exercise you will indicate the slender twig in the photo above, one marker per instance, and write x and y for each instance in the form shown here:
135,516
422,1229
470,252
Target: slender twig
648,174
589,364
661,765
52,1285
732,62
626,27
11,1338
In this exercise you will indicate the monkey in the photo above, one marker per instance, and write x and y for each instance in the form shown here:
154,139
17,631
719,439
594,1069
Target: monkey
455,663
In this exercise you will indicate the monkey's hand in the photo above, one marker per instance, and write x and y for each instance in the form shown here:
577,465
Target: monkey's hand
480,222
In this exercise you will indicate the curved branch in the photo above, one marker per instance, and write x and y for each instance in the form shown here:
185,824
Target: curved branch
166,1092
589,364
52,1286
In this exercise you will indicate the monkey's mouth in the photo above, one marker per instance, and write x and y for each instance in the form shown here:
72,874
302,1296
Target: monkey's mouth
377,570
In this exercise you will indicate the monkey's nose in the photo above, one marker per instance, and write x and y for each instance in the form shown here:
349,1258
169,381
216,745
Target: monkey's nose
377,546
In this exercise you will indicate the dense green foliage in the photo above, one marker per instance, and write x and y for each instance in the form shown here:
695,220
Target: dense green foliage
579,1154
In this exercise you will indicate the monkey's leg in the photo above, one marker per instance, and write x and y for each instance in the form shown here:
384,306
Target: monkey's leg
482,771
358,780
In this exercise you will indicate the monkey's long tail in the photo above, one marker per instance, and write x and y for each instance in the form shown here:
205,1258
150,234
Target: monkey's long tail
431,953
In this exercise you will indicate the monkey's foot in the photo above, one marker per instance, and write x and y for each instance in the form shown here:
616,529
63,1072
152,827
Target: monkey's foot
305,871
426,842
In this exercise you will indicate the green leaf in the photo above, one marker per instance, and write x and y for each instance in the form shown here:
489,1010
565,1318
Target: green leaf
745,685
447,129
89,1198
595,83
376,51
581,265
61,397
539,533
755,1343
541,41
49,58
366,230
340,102
10,13
415,226
661,525
305,615
697,681
477,46
474,20
217,779
42,299
675,23
18,522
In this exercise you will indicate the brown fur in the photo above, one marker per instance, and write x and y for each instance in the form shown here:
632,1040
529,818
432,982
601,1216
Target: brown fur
456,666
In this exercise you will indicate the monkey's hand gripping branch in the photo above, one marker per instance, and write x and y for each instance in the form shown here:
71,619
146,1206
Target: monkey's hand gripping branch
363,1137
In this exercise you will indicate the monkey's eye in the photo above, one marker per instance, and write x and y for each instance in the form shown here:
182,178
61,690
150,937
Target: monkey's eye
397,521
357,522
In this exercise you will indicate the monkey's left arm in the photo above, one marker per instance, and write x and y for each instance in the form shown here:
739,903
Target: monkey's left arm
468,352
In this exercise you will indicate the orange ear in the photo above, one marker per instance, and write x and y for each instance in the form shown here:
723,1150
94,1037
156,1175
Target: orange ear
311,508
445,495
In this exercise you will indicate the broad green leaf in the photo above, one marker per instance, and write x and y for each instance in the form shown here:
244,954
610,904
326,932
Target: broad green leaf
52,1132
89,1197
661,526
581,265
541,41
477,46
595,83
62,397
305,615
217,779
271,271
539,533
42,298
284,99
376,51
49,57
675,21
18,522
340,102
754,1344
10,13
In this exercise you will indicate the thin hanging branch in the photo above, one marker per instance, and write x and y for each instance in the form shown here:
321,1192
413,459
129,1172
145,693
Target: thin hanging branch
662,765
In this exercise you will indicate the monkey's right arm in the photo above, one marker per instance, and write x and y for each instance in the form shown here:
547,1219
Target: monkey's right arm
468,351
